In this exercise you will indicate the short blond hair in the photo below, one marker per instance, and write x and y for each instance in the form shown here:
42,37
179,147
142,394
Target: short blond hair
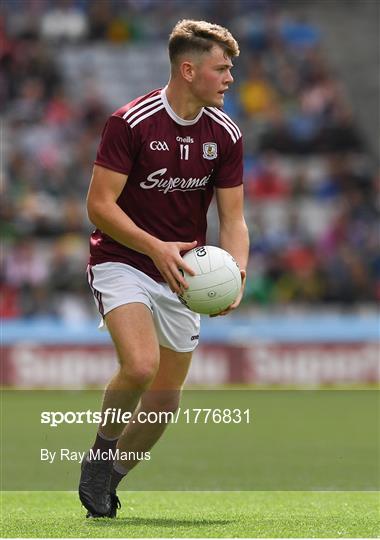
190,36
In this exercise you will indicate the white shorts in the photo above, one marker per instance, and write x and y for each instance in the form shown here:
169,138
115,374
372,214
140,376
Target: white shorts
114,284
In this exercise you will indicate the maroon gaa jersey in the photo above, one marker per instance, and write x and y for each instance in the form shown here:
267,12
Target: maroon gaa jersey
173,166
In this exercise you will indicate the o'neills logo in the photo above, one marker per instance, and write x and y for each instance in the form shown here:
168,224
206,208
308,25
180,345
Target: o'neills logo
187,139
157,180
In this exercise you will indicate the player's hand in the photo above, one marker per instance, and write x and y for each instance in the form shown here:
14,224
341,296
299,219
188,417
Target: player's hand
167,258
233,306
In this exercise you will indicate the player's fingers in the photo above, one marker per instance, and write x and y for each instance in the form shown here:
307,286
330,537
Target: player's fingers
236,303
174,278
179,277
227,310
183,266
221,314
168,277
183,285
186,246
173,284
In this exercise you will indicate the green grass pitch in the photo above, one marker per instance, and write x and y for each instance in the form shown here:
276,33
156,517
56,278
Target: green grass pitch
295,441
148,514
310,457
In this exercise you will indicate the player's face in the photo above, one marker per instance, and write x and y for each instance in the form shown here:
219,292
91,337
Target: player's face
212,77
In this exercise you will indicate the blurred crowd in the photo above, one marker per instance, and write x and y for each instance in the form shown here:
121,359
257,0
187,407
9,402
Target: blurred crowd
311,187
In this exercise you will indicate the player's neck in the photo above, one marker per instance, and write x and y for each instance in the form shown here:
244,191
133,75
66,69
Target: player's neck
182,104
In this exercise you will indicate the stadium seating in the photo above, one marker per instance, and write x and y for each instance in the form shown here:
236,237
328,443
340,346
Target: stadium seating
310,180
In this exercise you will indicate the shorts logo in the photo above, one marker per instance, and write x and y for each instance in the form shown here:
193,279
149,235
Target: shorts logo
158,145
210,150
194,338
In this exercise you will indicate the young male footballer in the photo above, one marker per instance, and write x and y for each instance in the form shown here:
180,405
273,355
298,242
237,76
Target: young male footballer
159,162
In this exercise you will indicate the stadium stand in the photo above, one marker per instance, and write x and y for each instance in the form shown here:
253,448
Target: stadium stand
310,176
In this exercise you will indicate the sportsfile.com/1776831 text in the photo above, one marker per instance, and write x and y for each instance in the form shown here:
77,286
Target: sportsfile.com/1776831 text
117,416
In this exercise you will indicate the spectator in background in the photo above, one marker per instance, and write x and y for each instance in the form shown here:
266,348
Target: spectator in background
257,95
267,180
28,107
302,147
100,17
63,21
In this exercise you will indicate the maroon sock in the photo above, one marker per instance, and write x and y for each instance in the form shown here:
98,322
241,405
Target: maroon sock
116,478
104,445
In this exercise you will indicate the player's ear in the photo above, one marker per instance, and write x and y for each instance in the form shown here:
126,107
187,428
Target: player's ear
187,70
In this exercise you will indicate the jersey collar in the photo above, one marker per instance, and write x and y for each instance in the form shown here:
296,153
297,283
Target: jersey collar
175,116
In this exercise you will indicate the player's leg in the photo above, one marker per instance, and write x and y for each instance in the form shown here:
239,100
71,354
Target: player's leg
162,396
133,333
178,333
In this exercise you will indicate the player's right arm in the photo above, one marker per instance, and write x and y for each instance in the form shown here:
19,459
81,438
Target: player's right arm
104,212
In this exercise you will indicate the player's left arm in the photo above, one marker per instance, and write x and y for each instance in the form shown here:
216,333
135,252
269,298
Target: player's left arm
233,231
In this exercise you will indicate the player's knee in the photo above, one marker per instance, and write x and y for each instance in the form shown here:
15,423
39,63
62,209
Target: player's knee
139,376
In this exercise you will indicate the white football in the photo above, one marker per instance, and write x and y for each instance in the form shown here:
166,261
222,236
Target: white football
216,284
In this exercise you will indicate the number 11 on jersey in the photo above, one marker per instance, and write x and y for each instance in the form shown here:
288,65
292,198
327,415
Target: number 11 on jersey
184,149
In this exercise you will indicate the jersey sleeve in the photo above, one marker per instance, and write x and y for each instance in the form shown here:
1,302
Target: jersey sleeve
117,146
230,170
